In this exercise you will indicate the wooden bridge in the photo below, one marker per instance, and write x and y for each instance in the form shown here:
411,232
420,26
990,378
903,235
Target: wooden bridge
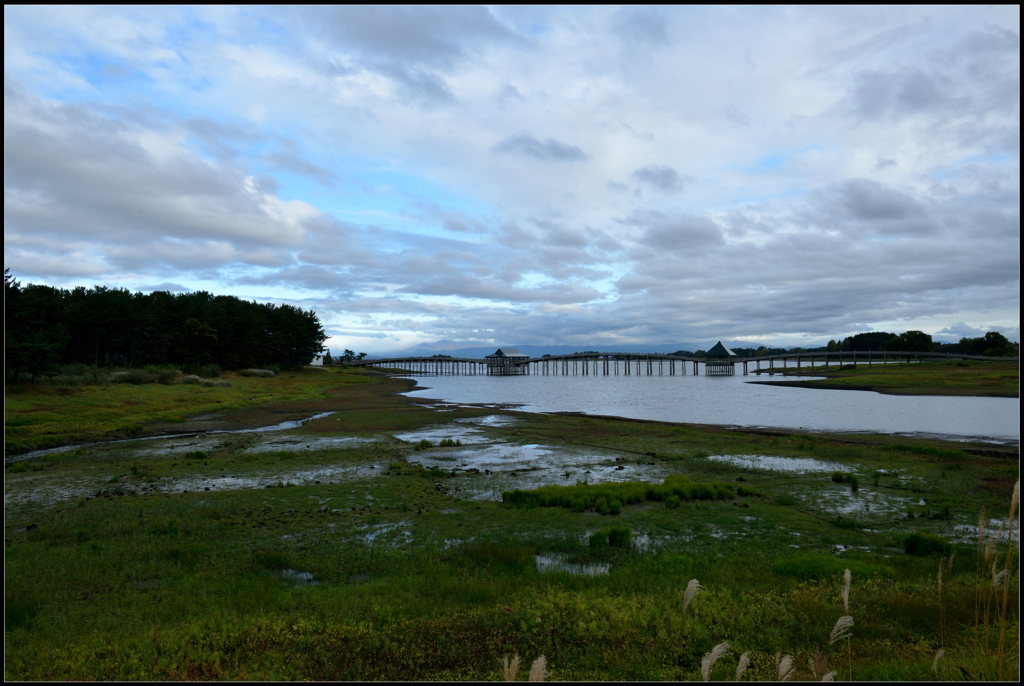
654,364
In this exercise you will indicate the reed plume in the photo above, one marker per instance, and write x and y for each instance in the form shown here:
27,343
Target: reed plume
537,671
996,578
785,665
509,669
938,656
742,666
709,660
841,630
847,580
818,663
829,677
692,589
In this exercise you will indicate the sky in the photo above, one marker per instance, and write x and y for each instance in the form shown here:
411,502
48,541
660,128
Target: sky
446,177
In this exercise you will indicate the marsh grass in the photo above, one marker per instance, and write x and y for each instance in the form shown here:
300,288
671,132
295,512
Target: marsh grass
175,586
608,498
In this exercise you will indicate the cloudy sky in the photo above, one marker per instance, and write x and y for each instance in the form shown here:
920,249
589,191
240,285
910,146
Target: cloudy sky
466,176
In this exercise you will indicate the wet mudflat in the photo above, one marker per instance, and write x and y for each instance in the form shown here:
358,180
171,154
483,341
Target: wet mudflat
349,521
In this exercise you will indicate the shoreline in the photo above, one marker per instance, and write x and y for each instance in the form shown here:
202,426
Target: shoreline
938,392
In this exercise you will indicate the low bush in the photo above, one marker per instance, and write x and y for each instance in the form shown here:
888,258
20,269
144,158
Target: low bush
423,445
922,544
811,567
166,376
133,376
616,537
208,383
840,477
209,371
272,559
265,373
612,496
510,558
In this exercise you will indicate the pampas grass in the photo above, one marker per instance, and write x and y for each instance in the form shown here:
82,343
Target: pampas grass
818,663
841,630
847,580
509,669
935,663
537,671
692,589
785,665
829,677
709,660
742,666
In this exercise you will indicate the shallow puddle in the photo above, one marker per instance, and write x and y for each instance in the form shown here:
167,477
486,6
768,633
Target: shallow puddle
47,492
557,563
283,426
295,443
793,465
379,533
860,504
483,472
298,578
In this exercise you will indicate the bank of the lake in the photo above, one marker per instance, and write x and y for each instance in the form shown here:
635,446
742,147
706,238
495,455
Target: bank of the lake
948,378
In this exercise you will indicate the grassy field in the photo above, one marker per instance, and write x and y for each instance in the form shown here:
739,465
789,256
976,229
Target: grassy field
42,416
971,377
395,564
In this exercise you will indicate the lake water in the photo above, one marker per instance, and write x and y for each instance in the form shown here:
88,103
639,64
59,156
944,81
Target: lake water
731,401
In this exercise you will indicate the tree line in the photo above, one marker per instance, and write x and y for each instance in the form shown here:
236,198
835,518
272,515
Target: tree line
113,327
992,344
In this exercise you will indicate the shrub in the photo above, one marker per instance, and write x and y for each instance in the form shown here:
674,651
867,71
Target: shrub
209,371
672,502
272,559
214,382
423,445
264,373
132,376
620,537
191,379
587,496
166,376
510,558
616,537
924,544
813,567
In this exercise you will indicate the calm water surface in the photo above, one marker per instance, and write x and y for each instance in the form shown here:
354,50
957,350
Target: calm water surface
729,400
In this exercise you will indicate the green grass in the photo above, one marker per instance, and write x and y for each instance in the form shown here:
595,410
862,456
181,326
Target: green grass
193,585
939,377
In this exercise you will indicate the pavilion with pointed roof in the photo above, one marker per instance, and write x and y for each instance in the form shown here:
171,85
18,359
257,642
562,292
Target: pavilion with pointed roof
504,361
719,361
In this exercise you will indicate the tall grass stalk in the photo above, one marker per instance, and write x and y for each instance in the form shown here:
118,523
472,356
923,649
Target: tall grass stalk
1014,501
537,671
692,589
509,669
709,660
742,666
785,666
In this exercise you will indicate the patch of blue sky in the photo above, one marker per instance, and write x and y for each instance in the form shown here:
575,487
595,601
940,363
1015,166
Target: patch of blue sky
385,198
